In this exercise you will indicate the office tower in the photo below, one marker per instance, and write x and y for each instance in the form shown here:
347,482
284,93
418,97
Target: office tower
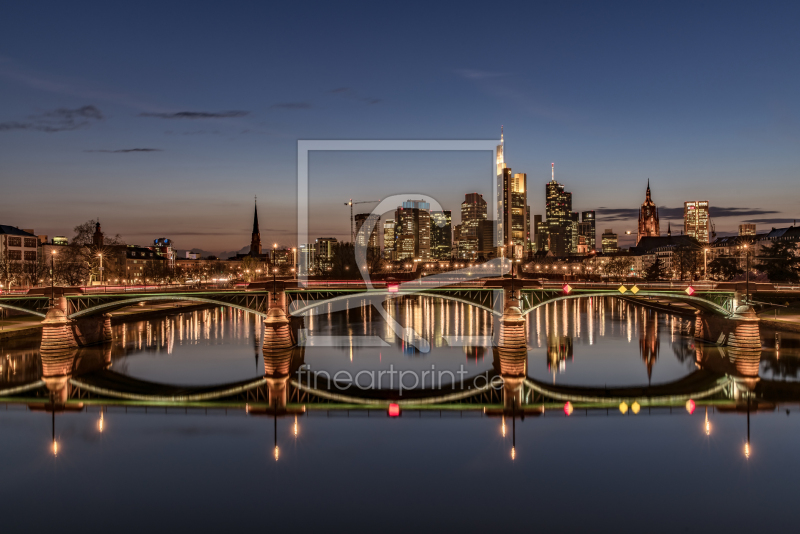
588,229
558,209
473,211
695,219
609,242
747,229
536,244
441,235
306,258
648,218
486,235
323,252
574,219
413,230
363,240
542,235
512,194
388,240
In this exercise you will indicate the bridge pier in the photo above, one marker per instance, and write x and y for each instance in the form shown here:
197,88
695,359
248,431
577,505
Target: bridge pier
511,352
58,339
740,331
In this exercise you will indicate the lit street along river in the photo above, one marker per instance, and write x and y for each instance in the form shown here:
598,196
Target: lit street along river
140,425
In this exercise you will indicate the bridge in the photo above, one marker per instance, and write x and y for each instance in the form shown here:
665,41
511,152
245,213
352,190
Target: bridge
83,319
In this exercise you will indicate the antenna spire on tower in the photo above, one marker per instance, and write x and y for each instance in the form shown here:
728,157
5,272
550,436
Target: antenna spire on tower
501,134
553,171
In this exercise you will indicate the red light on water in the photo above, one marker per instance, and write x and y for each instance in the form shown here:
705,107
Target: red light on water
690,406
394,410
568,408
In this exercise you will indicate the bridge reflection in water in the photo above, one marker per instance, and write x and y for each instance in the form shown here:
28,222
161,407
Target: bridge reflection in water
726,378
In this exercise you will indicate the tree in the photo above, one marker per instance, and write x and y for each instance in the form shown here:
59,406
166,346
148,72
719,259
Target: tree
343,262
71,265
780,262
724,268
656,271
84,235
249,267
686,261
618,267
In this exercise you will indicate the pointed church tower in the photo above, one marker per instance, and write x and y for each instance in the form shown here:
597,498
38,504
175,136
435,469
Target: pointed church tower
255,239
648,217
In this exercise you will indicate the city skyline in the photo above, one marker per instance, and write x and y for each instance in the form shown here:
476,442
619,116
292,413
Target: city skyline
182,134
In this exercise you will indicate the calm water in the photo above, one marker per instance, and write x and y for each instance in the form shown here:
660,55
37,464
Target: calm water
195,470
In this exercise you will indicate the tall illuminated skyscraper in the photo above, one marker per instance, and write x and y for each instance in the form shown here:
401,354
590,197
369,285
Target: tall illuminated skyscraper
695,219
512,196
441,235
413,231
558,210
362,239
473,213
388,239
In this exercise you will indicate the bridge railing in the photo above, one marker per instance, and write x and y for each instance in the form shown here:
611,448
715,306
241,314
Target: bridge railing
676,285
410,284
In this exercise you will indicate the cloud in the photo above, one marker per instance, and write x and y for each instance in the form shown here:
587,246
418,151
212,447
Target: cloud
617,214
472,74
739,212
57,120
126,150
85,112
772,221
352,94
292,105
197,115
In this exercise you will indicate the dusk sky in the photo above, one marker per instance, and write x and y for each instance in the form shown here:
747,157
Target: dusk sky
165,121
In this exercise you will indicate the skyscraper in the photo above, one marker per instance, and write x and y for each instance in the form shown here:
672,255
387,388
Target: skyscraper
588,230
513,225
363,240
695,219
413,230
473,211
648,218
441,235
388,240
558,209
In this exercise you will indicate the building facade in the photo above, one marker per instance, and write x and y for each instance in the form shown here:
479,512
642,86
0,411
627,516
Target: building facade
609,242
558,210
696,222
373,220
413,231
441,235
473,212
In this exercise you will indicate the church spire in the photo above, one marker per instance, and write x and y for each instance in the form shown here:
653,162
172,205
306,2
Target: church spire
648,189
255,239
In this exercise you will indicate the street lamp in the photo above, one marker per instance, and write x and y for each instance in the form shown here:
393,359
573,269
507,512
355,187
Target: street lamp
52,278
101,267
705,262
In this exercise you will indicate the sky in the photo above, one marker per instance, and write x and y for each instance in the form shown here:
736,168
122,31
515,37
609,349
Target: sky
167,120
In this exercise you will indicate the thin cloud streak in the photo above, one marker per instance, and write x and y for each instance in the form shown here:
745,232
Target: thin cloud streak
126,150
192,115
